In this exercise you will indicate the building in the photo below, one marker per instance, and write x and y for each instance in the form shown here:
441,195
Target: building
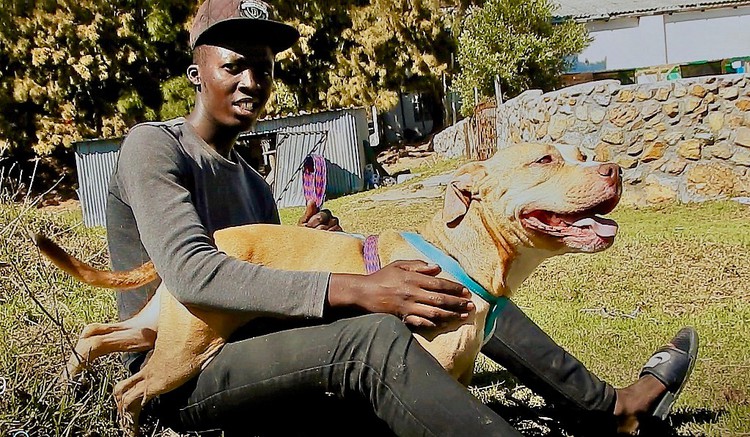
410,120
280,146
642,41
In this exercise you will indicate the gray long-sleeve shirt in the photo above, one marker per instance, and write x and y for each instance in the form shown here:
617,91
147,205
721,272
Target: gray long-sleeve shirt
169,192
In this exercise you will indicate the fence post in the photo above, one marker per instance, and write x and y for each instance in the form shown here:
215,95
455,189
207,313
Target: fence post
498,91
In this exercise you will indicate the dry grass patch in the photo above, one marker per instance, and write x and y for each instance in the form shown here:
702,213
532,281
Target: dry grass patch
41,313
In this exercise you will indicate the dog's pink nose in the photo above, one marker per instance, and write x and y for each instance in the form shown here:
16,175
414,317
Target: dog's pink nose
610,171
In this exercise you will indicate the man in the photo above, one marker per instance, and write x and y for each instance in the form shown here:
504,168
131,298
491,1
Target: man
299,370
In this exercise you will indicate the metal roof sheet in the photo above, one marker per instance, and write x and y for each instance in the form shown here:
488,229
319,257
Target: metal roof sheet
337,135
586,10
95,161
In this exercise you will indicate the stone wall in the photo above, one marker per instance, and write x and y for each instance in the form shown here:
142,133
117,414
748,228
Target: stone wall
687,140
454,141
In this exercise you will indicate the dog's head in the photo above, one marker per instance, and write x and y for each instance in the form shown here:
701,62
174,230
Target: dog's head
547,195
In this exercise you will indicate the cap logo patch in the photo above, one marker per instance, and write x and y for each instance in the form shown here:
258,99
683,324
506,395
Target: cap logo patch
254,9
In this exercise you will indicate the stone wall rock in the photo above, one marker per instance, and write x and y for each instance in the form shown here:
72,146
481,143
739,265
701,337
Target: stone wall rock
685,140
453,141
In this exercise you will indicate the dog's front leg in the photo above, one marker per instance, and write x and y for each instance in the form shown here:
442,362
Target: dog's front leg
130,396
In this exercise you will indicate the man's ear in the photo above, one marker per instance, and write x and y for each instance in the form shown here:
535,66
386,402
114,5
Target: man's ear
459,192
193,75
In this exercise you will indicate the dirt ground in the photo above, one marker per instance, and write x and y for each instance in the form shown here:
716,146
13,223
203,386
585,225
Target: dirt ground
64,206
407,163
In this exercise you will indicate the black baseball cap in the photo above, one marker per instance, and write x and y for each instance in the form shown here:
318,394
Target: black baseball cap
233,20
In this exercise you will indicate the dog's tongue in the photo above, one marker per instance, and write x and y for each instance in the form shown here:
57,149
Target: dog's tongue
601,226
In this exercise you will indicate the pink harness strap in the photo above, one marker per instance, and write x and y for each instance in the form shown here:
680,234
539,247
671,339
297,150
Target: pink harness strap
372,260
314,179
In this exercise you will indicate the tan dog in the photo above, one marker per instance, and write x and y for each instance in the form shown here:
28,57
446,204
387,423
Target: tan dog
500,219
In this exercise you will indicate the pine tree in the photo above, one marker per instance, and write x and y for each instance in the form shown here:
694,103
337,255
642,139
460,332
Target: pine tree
358,53
76,69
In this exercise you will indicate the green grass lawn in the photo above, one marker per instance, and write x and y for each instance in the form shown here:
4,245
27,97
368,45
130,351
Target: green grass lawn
673,266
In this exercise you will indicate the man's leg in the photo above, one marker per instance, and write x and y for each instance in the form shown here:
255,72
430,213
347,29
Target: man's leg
521,346
284,379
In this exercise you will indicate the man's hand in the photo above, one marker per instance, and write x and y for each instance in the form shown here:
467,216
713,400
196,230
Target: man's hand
315,218
407,289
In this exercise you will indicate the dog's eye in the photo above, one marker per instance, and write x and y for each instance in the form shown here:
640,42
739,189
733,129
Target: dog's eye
546,159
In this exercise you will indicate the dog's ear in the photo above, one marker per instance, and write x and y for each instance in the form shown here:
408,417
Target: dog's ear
458,193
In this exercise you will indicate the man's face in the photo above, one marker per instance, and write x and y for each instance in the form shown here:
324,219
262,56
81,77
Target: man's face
236,82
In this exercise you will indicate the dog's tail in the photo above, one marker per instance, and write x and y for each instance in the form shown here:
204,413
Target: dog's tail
89,275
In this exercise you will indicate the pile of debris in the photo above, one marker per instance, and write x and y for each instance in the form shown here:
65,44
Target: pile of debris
391,155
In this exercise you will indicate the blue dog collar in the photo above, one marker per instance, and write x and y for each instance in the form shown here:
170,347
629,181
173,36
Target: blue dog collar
451,266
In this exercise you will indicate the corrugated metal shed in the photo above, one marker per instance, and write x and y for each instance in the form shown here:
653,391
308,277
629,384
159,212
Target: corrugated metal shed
95,161
337,135
586,10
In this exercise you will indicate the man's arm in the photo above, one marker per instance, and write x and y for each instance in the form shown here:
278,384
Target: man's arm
404,288
152,175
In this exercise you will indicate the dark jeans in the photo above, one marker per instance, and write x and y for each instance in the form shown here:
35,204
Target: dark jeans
332,379
521,346
365,375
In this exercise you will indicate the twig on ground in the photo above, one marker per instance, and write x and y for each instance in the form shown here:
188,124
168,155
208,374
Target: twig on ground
39,304
31,181
612,314
27,207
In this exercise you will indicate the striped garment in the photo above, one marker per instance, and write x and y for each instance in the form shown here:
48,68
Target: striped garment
314,179
372,260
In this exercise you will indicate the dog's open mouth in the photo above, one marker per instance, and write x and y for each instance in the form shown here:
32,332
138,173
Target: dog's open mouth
584,230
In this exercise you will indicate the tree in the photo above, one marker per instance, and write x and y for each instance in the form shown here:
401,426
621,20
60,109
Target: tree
518,41
75,69
361,53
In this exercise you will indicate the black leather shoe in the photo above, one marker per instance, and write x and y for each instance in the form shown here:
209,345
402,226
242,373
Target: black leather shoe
672,364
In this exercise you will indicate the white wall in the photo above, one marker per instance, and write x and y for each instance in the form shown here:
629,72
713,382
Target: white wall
710,35
626,43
